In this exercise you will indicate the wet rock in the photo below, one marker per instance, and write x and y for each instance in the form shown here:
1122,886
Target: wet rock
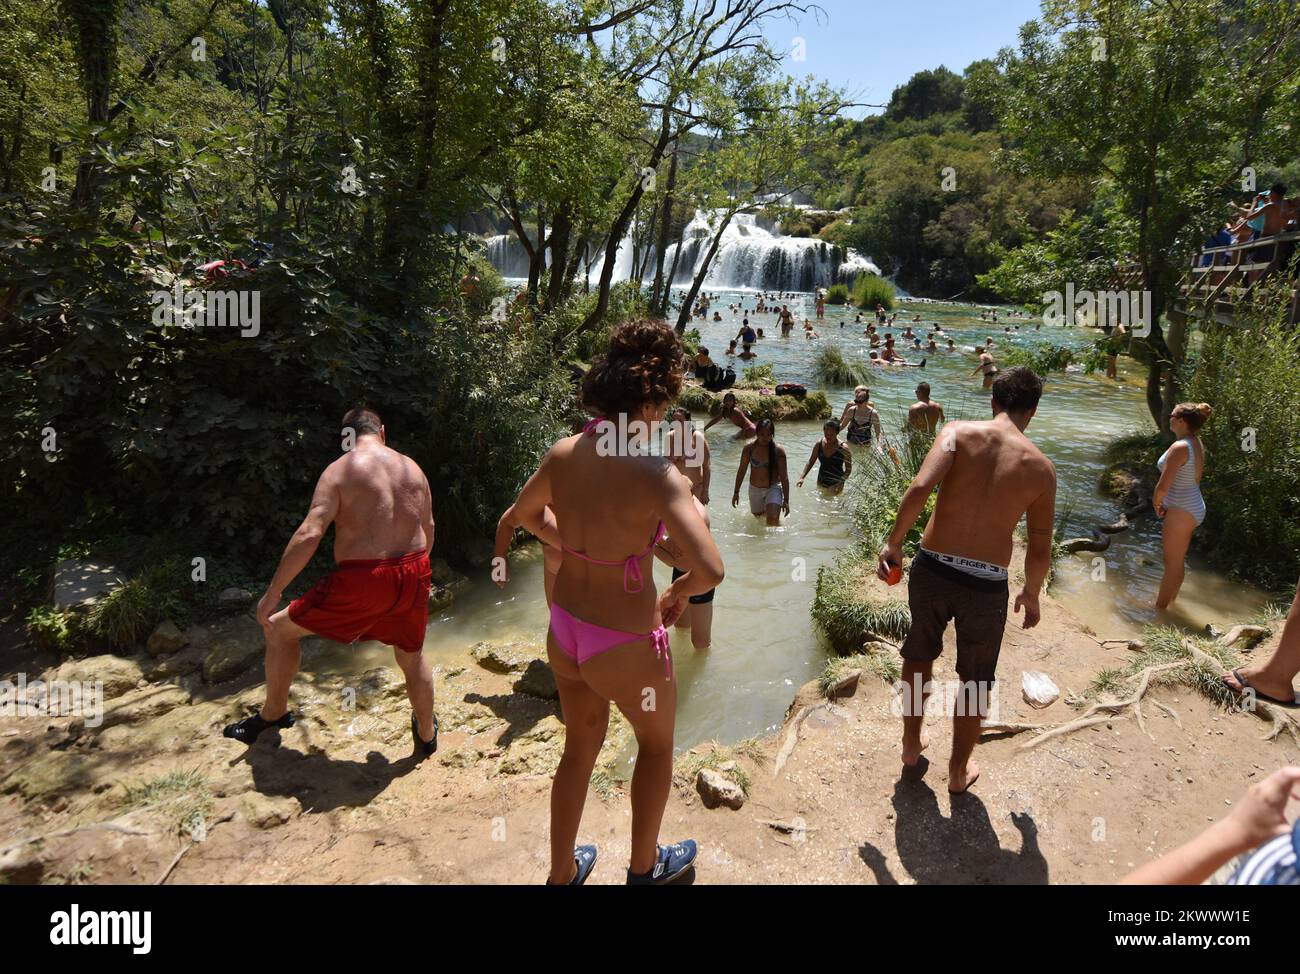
498,659
80,584
230,657
443,594
538,681
716,789
1038,689
267,811
118,674
166,638
441,572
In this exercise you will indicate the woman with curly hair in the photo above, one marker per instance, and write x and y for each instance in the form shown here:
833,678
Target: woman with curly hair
607,641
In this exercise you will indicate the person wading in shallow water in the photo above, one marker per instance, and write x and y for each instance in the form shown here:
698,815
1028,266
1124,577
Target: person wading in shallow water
607,642
989,475
1177,497
380,505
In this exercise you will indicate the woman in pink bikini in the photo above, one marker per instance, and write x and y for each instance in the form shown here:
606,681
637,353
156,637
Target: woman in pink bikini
607,641
730,411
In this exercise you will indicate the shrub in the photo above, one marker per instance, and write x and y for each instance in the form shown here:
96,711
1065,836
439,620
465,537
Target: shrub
831,367
838,294
1251,376
127,615
870,290
54,630
848,615
1042,360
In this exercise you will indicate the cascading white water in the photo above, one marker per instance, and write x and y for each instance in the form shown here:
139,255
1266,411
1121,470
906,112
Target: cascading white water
749,256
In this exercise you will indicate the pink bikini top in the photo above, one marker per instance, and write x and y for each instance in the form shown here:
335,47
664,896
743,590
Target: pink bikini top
632,563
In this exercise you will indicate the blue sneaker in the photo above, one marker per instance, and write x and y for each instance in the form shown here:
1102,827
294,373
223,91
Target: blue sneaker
675,862
584,857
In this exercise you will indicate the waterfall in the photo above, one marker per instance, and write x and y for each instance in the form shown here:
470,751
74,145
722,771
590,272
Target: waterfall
750,255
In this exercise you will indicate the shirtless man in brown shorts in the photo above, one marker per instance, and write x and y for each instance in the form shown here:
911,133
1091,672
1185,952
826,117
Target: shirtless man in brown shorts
382,511
989,475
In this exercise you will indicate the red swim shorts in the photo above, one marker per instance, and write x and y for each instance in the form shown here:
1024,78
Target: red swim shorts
385,599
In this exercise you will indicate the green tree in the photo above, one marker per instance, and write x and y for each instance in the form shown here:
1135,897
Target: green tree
1164,103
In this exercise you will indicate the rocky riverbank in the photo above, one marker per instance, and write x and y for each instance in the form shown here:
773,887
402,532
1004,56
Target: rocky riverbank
155,794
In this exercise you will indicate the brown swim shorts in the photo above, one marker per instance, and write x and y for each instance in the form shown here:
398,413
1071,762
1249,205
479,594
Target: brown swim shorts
937,593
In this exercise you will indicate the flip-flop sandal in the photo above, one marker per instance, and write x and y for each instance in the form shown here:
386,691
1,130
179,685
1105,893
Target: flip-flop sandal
1291,704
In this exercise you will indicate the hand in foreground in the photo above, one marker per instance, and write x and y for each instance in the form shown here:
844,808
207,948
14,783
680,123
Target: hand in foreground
1261,814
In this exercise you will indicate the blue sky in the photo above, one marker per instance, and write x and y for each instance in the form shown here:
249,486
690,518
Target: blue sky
869,47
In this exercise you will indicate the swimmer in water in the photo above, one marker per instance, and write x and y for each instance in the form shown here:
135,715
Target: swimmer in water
733,413
834,461
769,478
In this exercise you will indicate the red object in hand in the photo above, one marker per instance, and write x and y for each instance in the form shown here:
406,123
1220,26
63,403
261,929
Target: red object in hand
895,575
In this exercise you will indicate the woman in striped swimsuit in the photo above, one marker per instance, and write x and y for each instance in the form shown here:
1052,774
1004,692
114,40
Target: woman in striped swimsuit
1178,500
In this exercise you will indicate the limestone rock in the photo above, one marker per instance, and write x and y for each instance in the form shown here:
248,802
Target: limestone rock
230,657
80,584
1038,689
166,638
498,659
135,707
538,681
22,865
50,774
267,811
716,789
118,674
182,664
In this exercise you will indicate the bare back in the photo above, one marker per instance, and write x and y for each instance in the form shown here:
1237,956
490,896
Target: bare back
383,504
609,508
924,416
994,477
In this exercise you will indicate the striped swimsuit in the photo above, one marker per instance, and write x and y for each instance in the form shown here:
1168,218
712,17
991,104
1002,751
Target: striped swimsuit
1185,493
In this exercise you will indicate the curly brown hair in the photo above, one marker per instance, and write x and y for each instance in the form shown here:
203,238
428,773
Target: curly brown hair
643,365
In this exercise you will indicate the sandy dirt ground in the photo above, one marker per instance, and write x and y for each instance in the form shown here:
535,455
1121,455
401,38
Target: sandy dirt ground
342,800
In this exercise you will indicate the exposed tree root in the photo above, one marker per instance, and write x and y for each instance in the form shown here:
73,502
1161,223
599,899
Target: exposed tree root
792,736
1112,708
1281,720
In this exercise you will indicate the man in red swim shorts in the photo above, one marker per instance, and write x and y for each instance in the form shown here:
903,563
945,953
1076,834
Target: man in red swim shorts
382,511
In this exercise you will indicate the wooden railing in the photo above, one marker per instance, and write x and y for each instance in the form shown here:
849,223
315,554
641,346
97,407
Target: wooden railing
1216,289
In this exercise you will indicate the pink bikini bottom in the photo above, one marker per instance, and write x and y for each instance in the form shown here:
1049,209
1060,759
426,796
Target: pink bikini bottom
580,641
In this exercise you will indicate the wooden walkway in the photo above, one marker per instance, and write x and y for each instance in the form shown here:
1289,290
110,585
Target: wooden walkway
1222,279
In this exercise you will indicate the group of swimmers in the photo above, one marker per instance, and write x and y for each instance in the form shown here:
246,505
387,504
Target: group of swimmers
603,515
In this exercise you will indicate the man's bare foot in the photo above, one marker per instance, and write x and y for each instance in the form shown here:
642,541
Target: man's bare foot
960,781
912,749
1265,686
